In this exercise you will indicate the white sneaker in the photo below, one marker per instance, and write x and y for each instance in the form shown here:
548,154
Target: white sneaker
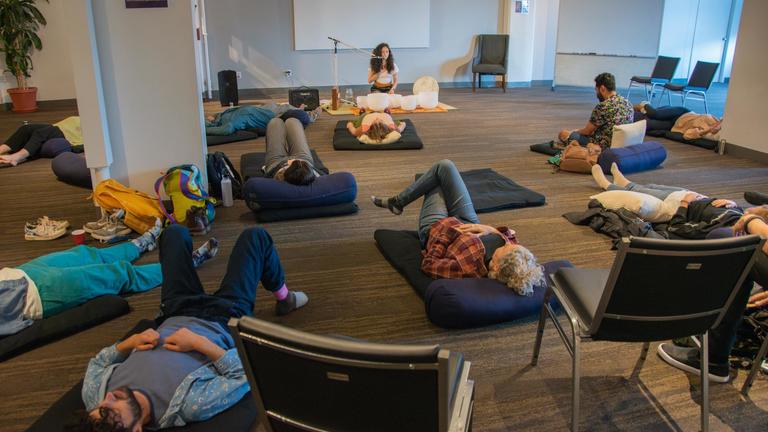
90,227
45,220
113,228
44,232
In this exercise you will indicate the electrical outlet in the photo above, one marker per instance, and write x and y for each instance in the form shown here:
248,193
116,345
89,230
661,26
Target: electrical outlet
239,74
287,73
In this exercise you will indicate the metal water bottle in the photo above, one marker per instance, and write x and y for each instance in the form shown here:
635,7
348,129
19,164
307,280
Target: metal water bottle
226,192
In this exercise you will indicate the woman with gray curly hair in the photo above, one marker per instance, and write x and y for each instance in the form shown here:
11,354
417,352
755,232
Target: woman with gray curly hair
455,244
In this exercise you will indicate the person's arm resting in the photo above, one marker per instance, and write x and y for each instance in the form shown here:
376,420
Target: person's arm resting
208,398
587,130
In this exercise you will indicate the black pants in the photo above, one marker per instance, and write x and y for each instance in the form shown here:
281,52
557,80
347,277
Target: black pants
254,259
31,138
722,337
661,118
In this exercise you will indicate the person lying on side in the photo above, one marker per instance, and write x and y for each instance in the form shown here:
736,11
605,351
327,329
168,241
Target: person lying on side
248,117
612,110
289,157
27,141
455,244
53,283
691,215
188,369
679,119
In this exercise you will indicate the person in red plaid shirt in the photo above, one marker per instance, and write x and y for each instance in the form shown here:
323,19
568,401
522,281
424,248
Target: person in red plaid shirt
455,244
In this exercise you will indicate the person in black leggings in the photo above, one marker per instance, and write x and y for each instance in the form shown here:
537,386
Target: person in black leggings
26,143
661,118
722,337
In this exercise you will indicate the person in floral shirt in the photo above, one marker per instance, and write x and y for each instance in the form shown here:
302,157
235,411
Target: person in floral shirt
613,110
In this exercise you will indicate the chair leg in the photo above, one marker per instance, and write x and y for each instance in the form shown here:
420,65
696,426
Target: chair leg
669,97
629,89
706,110
540,329
755,367
474,77
575,405
504,82
644,351
704,354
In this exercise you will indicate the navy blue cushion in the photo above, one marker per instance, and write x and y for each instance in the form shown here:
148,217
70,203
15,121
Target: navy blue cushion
71,169
299,115
268,193
54,147
640,157
459,303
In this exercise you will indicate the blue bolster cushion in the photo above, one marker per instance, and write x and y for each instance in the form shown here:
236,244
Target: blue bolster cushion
636,158
54,147
326,190
71,169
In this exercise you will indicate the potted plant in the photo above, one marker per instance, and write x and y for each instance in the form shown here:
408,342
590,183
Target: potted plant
19,22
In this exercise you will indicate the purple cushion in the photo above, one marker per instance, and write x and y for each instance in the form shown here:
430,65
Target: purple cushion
54,147
326,190
640,157
72,169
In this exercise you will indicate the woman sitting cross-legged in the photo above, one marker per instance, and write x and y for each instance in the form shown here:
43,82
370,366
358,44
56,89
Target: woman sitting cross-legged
455,244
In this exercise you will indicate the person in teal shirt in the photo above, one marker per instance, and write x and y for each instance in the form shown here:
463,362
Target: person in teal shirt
250,117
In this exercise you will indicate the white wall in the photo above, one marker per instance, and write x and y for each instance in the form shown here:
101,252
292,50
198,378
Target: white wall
747,92
151,91
52,73
257,39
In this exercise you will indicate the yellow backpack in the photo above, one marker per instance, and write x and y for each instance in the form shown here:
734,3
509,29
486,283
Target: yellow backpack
140,209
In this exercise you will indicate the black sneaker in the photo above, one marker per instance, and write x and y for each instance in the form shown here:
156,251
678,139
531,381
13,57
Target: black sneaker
756,198
687,359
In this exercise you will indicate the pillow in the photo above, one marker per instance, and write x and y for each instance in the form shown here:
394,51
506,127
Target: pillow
299,115
628,134
391,137
646,206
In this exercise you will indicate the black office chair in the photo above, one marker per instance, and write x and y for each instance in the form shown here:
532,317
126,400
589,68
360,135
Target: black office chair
305,382
655,290
663,72
490,58
701,79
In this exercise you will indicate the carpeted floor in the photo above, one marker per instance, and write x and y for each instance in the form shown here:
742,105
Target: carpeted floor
353,291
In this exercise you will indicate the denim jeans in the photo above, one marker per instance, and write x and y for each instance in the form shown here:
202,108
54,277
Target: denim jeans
285,140
254,259
582,139
445,194
722,337
659,191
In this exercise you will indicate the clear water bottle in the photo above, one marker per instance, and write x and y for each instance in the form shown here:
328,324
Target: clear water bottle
226,192
349,94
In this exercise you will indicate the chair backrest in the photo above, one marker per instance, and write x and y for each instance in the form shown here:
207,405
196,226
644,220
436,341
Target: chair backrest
307,382
665,67
663,289
492,49
703,74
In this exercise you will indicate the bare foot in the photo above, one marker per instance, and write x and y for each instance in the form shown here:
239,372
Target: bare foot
4,149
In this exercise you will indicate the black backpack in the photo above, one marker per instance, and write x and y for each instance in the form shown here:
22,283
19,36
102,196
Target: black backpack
219,166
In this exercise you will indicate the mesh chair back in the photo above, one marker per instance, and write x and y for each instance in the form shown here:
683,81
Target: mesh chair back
663,289
703,74
337,383
665,67
493,49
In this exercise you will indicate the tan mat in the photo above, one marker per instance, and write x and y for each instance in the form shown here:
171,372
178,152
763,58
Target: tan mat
350,109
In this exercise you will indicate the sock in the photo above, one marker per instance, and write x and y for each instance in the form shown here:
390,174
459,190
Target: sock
282,293
618,177
148,241
387,203
600,179
205,252
293,301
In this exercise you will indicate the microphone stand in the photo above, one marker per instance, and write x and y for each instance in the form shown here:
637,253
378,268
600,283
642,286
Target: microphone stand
335,89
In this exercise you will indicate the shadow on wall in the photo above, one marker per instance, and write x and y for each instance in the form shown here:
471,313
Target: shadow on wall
260,68
461,67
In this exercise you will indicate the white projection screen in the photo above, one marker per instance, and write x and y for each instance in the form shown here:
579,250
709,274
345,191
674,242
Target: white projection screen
357,22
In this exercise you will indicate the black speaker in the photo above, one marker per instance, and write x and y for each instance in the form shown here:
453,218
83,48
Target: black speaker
228,88
304,95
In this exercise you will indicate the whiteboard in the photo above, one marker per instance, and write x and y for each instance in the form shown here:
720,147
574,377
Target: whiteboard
610,27
360,23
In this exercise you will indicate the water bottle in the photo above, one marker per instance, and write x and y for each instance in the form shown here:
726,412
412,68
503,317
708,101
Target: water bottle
226,192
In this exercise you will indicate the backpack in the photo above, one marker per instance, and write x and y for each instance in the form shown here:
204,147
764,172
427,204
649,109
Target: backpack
141,209
219,166
184,185
578,159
